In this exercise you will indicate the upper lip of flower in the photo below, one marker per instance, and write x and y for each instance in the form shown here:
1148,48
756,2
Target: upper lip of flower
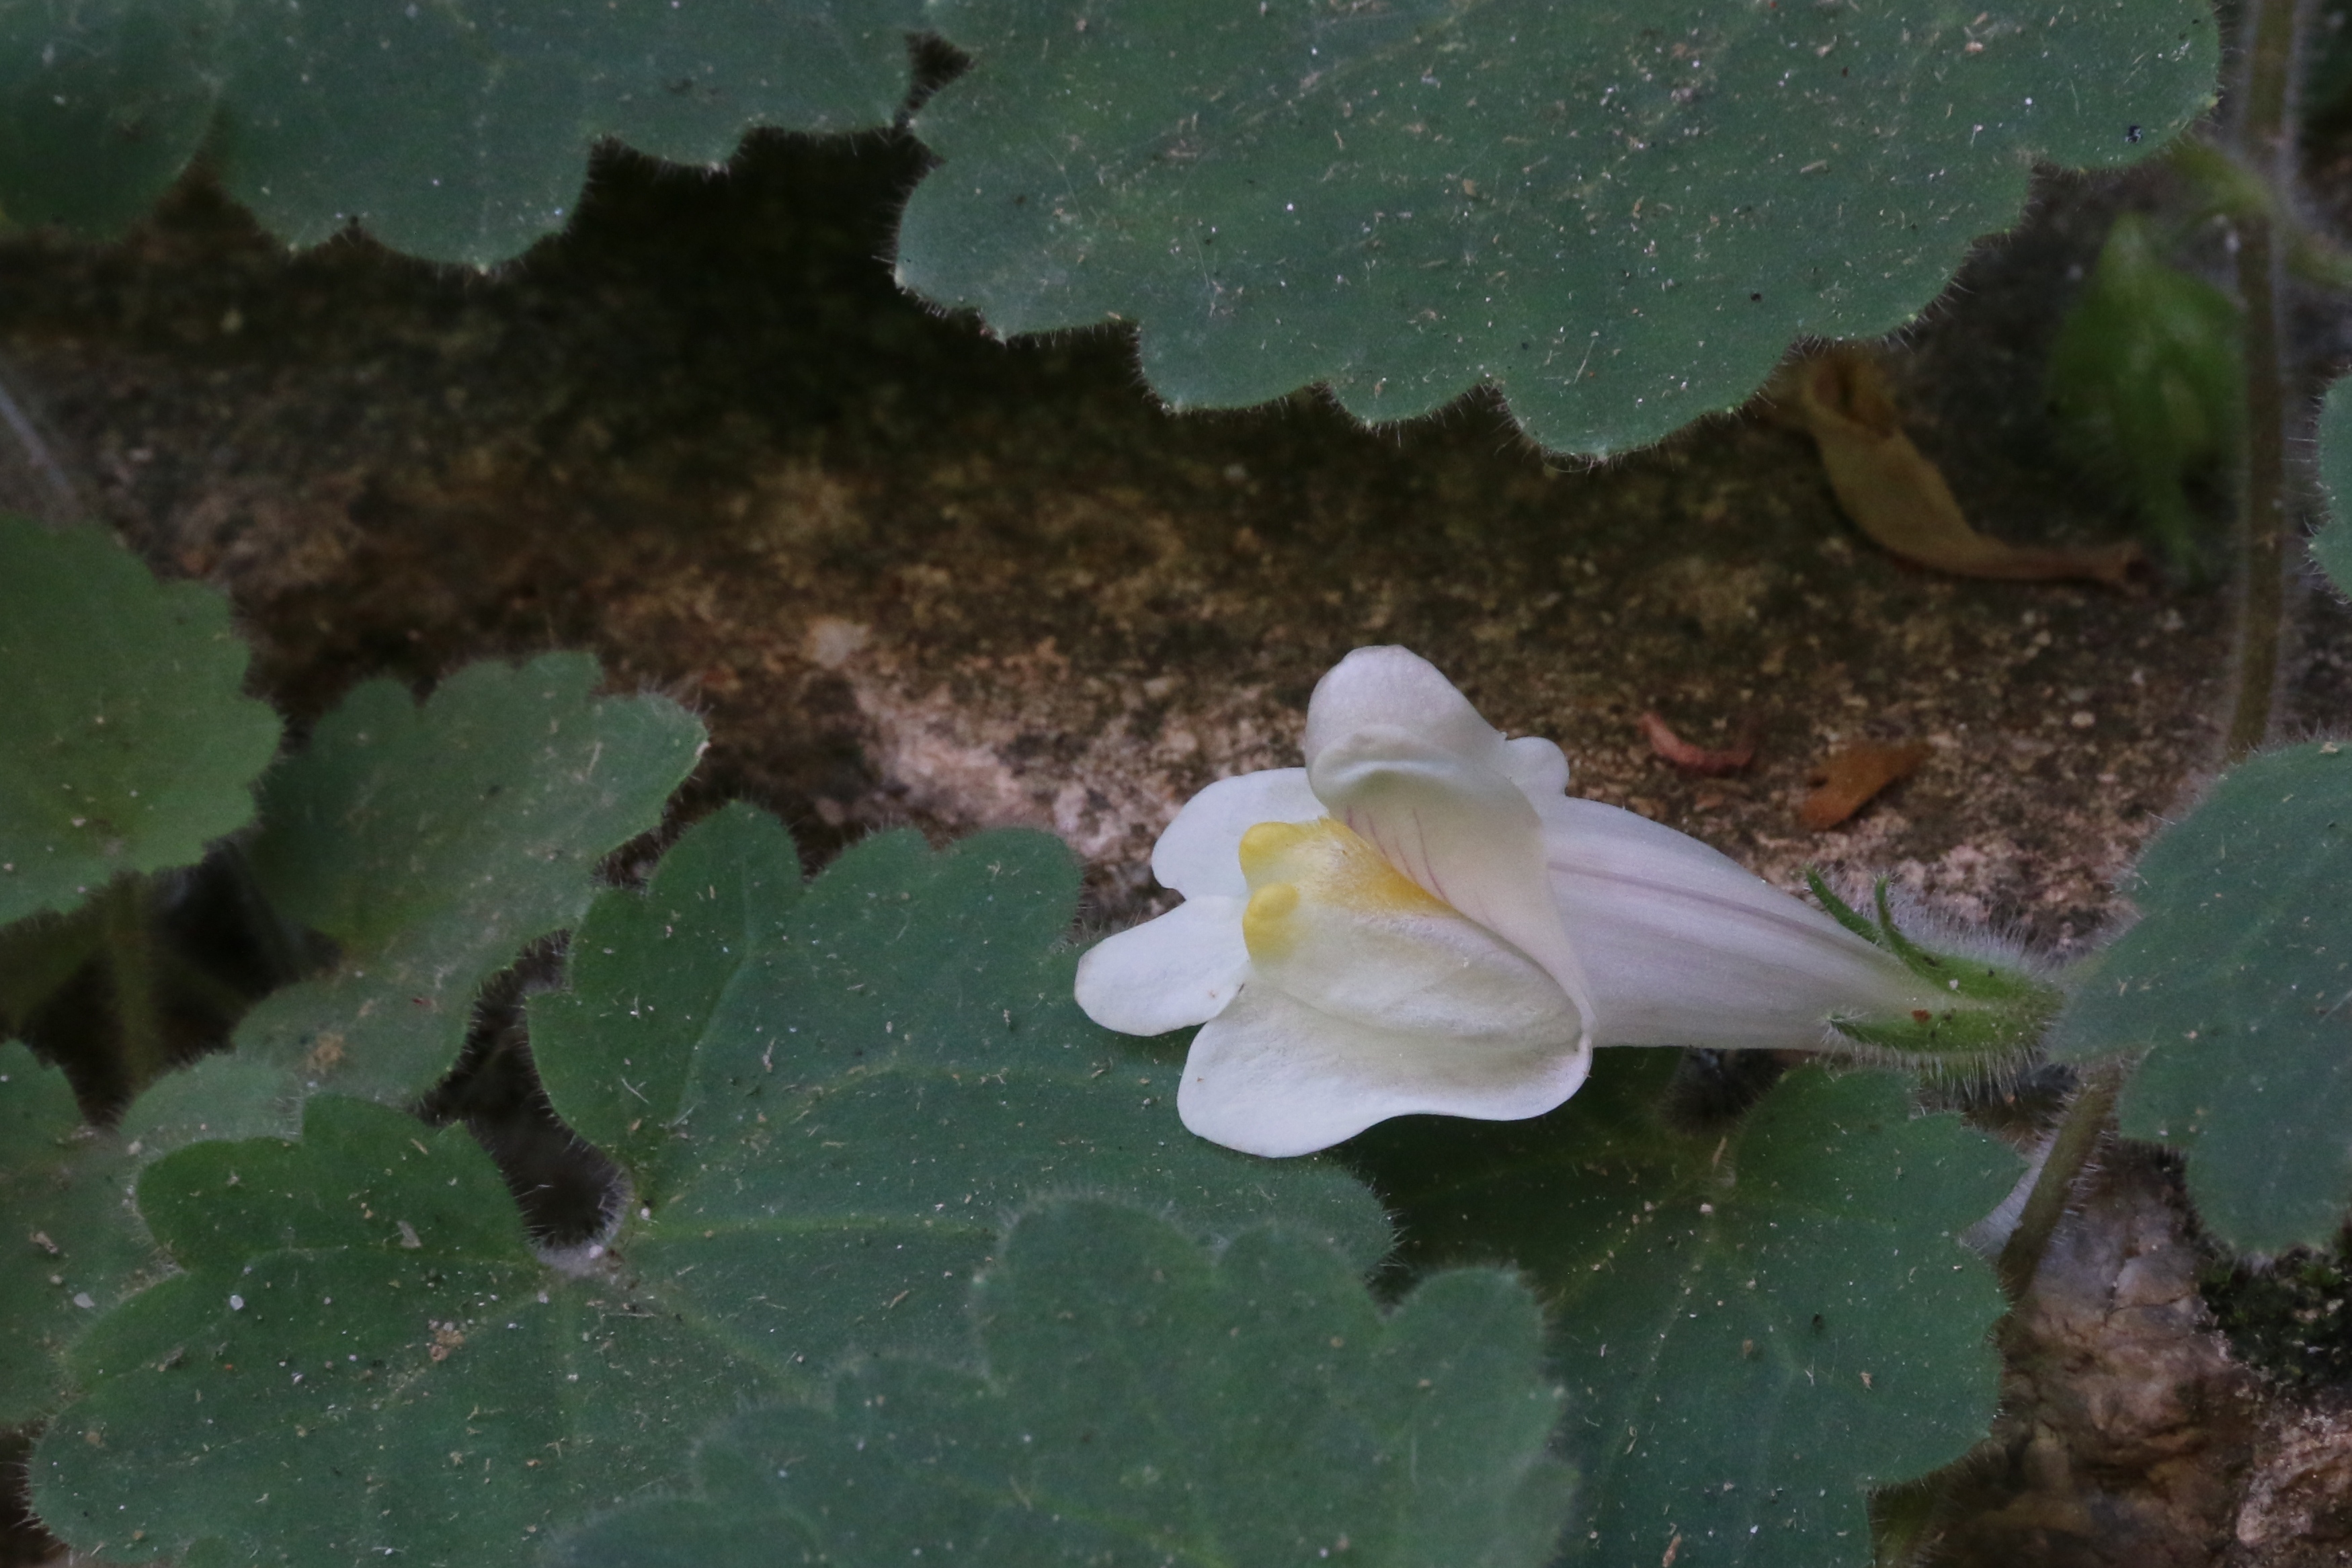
1450,819
1332,1000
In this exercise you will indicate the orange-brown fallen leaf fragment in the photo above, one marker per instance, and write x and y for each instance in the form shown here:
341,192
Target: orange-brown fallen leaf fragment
1699,759
1844,781
1897,496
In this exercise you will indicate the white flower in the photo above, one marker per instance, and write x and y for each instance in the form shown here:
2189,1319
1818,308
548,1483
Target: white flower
1421,920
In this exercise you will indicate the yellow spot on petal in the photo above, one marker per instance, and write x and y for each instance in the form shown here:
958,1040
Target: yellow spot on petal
1264,846
1301,866
1265,924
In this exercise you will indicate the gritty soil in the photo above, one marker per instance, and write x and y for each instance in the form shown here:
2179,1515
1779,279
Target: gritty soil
911,575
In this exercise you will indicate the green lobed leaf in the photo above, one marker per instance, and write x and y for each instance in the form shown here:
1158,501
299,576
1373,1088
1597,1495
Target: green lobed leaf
1610,211
65,1213
130,745
363,1357
823,1075
2236,981
1758,1323
829,1098
1618,215
431,843
459,133
2332,546
102,103
1145,1401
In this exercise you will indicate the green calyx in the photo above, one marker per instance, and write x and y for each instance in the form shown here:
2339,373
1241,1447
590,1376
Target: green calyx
1996,1011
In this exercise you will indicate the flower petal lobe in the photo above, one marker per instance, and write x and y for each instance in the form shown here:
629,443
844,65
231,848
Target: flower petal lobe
1181,969
1273,1076
1195,855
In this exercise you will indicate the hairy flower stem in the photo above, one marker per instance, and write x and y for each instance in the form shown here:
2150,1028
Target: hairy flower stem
2266,142
126,915
2261,615
2079,1132
2263,144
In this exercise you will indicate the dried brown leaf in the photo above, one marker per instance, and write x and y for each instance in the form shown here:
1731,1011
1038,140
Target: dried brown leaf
1897,496
1844,781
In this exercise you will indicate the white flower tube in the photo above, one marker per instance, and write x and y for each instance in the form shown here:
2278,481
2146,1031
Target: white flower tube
1420,920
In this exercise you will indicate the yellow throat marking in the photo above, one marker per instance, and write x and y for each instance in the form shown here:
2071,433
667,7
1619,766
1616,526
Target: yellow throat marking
1293,865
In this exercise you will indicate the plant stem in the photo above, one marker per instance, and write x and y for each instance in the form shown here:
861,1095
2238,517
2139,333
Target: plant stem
2225,188
2079,1132
2261,615
2265,144
126,921
1904,1517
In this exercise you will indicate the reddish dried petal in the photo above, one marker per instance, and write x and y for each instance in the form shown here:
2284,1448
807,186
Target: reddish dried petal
1710,764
